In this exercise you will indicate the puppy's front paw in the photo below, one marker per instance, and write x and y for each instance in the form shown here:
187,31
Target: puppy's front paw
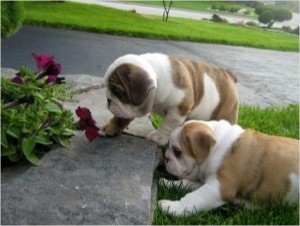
158,137
110,129
173,208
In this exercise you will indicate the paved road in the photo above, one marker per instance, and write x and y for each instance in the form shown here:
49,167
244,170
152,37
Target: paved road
266,77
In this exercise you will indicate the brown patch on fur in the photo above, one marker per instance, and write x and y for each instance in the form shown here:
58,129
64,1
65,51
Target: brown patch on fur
130,84
189,75
115,126
258,167
196,140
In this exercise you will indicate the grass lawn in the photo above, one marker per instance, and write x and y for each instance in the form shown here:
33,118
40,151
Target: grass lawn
277,121
112,21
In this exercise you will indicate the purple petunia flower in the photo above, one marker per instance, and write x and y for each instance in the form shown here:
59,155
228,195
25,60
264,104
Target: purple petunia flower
87,123
17,80
43,61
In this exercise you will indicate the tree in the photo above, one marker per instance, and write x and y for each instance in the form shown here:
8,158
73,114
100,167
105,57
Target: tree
166,10
266,17
282,14
269,14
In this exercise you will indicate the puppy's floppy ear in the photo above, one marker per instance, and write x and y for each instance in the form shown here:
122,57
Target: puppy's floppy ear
197,140
136,82
140,85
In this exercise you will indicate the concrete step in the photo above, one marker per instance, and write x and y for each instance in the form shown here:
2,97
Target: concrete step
106,181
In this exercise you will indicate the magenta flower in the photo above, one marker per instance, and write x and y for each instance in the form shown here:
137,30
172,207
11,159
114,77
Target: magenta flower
43,61
46,65
87,123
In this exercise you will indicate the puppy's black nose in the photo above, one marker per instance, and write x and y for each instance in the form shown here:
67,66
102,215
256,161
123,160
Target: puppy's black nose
108,102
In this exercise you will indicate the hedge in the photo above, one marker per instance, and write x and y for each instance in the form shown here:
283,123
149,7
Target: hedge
12,13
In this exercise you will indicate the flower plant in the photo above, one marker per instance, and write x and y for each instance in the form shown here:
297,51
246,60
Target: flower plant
32,117
87,123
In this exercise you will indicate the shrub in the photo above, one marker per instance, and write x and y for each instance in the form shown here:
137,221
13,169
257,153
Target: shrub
287,29
296,31
11,17
32,117
216,18
234,9
252,24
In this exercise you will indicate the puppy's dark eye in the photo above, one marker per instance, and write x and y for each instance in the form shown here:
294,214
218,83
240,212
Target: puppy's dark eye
118,93
177,152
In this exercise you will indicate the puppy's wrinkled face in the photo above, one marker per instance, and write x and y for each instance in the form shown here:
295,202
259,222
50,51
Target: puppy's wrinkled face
130,91
189,147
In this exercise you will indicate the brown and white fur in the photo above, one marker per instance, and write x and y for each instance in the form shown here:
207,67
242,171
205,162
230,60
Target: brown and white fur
173,87
225,163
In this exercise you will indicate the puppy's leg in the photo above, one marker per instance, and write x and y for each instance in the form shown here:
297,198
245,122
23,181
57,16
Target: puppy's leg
115,126
171,120
206,197
177,183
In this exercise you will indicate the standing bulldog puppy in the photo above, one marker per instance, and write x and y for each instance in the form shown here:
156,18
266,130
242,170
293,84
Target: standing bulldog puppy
225,163
175,88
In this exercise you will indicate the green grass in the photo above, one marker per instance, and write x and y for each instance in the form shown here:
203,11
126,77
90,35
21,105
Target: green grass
112,21
281,121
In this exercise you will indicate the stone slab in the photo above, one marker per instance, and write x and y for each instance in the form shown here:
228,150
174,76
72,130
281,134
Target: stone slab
107,181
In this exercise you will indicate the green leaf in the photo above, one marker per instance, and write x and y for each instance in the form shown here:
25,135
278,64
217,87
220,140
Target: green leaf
52,107
14,132
33,159
14,157
64,141
4,142
28,145
39,96
69,132
43,140
8,151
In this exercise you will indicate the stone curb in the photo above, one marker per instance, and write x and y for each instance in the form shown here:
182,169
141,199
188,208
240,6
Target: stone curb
107,181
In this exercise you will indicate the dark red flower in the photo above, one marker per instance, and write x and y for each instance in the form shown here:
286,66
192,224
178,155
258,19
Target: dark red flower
17,80
87,123
53,68
91,133
54,79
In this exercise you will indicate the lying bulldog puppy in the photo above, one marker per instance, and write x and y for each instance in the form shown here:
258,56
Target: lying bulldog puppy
175,88
235,165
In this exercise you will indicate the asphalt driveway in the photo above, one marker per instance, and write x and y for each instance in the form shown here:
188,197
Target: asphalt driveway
265,77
